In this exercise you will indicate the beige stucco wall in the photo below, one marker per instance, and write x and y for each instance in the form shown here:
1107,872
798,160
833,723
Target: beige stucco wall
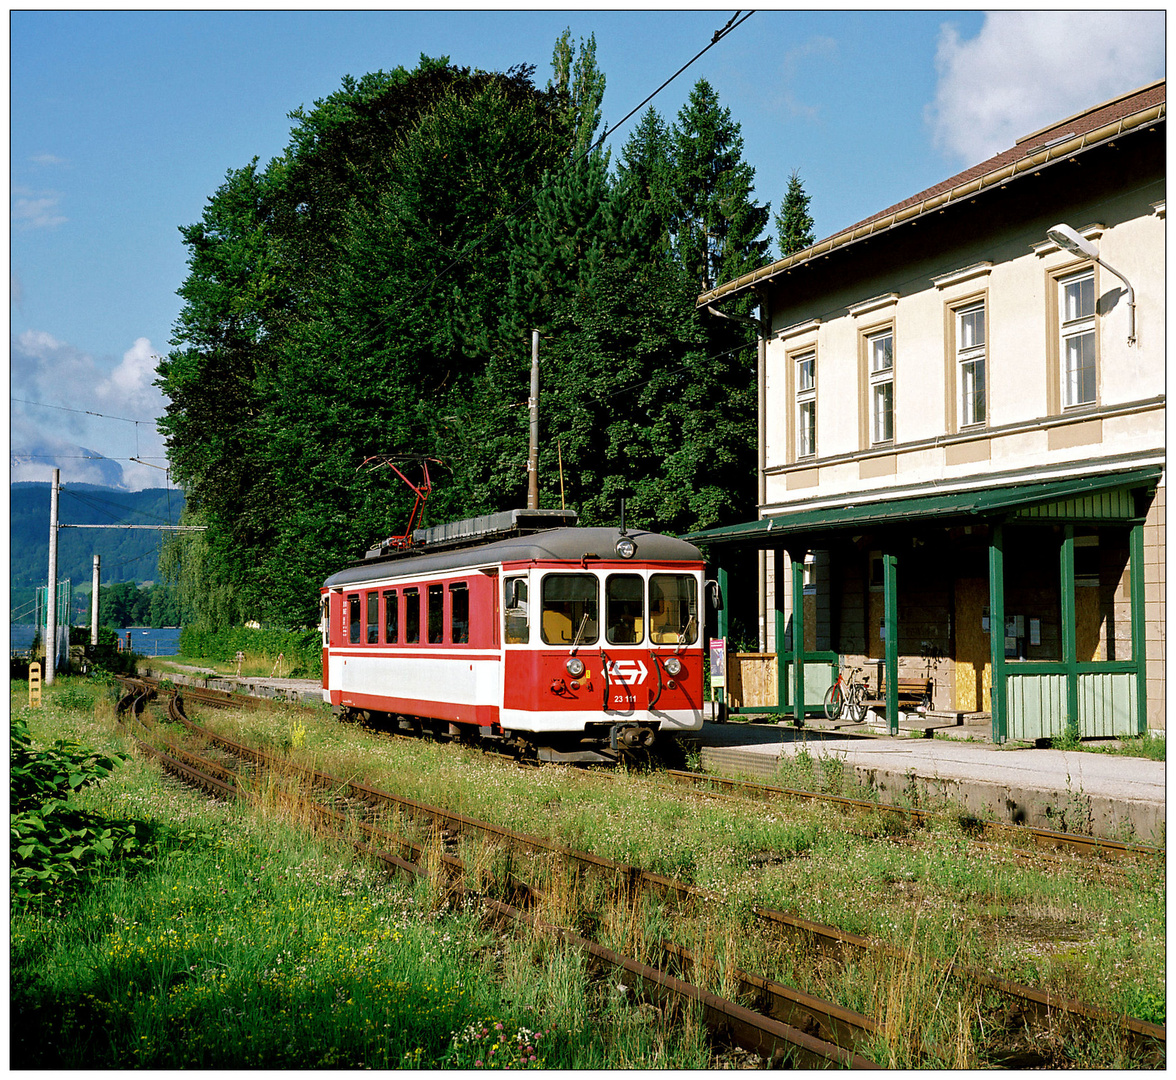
1021,435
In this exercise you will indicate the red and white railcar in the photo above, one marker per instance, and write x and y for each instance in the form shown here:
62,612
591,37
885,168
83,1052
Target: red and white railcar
573,643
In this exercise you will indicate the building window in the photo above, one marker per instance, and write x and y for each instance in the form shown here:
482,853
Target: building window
880,355
1078,339
806,405
971,344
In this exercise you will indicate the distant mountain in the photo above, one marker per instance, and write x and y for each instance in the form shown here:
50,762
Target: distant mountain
126,554
35,464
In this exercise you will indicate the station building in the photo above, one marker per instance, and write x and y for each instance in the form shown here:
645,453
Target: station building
961,440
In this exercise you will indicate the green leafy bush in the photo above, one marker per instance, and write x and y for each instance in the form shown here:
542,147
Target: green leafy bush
56,846
302,649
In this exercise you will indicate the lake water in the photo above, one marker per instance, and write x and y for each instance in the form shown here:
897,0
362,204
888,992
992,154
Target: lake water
145,640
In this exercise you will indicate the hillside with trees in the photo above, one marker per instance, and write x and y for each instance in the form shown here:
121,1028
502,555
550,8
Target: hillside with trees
127,555
372,291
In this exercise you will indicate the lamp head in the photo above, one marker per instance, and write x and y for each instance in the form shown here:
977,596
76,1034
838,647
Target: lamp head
1072,241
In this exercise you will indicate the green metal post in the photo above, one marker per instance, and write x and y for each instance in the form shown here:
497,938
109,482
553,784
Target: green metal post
1000,715
798,633
723,621
1139,627
890,586
779,625
1069,630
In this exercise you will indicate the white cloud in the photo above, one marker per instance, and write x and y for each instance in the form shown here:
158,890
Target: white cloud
1027,69
36,209
47,159
70,386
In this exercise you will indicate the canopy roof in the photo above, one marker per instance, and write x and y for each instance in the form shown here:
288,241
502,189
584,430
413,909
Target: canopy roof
1102,497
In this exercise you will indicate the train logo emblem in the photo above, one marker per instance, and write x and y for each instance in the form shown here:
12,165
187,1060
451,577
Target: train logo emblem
629,672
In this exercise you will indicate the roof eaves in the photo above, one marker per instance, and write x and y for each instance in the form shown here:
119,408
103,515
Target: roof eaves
1042,157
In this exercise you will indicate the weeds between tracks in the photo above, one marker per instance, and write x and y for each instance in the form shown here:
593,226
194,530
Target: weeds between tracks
924,890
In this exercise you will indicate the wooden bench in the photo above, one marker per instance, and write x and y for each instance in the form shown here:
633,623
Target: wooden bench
917,691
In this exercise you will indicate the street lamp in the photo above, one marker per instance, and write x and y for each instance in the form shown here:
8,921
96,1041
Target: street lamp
1073,241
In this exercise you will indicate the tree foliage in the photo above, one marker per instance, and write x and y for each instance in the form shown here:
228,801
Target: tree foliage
372,291
795,229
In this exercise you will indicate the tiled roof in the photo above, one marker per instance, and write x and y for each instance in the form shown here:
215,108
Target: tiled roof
1032,152
1082,124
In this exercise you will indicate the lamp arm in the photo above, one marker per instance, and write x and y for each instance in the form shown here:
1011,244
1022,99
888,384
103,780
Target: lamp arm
1130,298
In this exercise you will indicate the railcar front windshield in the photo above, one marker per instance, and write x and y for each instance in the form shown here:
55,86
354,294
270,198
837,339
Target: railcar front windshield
673,609
625,608
571,604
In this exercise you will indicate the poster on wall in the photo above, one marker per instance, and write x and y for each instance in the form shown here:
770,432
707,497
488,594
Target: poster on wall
718,661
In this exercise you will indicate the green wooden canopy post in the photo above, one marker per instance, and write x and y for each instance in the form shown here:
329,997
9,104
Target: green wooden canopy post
722,616
779,627
1138,627
798,633
1069,629
1000,716
890,587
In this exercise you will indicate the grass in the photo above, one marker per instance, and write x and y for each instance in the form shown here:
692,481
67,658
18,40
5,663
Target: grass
251,945
1095,936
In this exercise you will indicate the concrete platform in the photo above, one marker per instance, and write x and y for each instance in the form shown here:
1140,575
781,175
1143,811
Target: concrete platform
1106,795
304,691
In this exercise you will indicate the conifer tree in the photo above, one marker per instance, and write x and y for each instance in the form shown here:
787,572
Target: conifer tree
717,227
794,224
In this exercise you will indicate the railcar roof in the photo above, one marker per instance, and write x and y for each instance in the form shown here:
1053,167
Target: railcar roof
572,544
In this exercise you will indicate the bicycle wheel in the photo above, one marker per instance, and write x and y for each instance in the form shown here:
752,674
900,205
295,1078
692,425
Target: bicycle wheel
834,701
856,705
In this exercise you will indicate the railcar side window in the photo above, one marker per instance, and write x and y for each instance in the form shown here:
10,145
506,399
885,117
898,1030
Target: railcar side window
325,620
673,609
391,618
412,616
570,609
373,618
436,614
459,613
624,599
514,604
354,619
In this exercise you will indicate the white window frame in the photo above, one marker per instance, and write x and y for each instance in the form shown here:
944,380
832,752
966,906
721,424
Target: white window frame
880,369
972,361
1077,328
806,404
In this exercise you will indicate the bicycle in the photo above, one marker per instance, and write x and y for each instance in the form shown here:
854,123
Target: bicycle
847,694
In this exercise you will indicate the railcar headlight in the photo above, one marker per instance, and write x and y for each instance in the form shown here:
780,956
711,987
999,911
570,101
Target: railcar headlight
626,549
674,666
575,666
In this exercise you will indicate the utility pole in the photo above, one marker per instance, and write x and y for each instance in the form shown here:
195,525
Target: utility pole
51,597
94,604
533,405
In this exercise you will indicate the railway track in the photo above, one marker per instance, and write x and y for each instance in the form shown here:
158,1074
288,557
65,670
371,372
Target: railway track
767,1035
1039,838
1146,1039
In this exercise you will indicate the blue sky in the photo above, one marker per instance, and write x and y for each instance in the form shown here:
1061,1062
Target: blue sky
123,123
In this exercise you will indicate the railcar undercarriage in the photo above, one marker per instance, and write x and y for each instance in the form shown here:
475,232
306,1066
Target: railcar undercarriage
600,743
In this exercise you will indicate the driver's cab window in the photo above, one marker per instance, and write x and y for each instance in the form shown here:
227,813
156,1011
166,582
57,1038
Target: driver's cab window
516,610
624,608
570,609
673,609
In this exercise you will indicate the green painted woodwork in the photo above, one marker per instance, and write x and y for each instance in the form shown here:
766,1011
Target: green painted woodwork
797,634
890,589
1069,628
1138,627
1000,727
968,506
1115,505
